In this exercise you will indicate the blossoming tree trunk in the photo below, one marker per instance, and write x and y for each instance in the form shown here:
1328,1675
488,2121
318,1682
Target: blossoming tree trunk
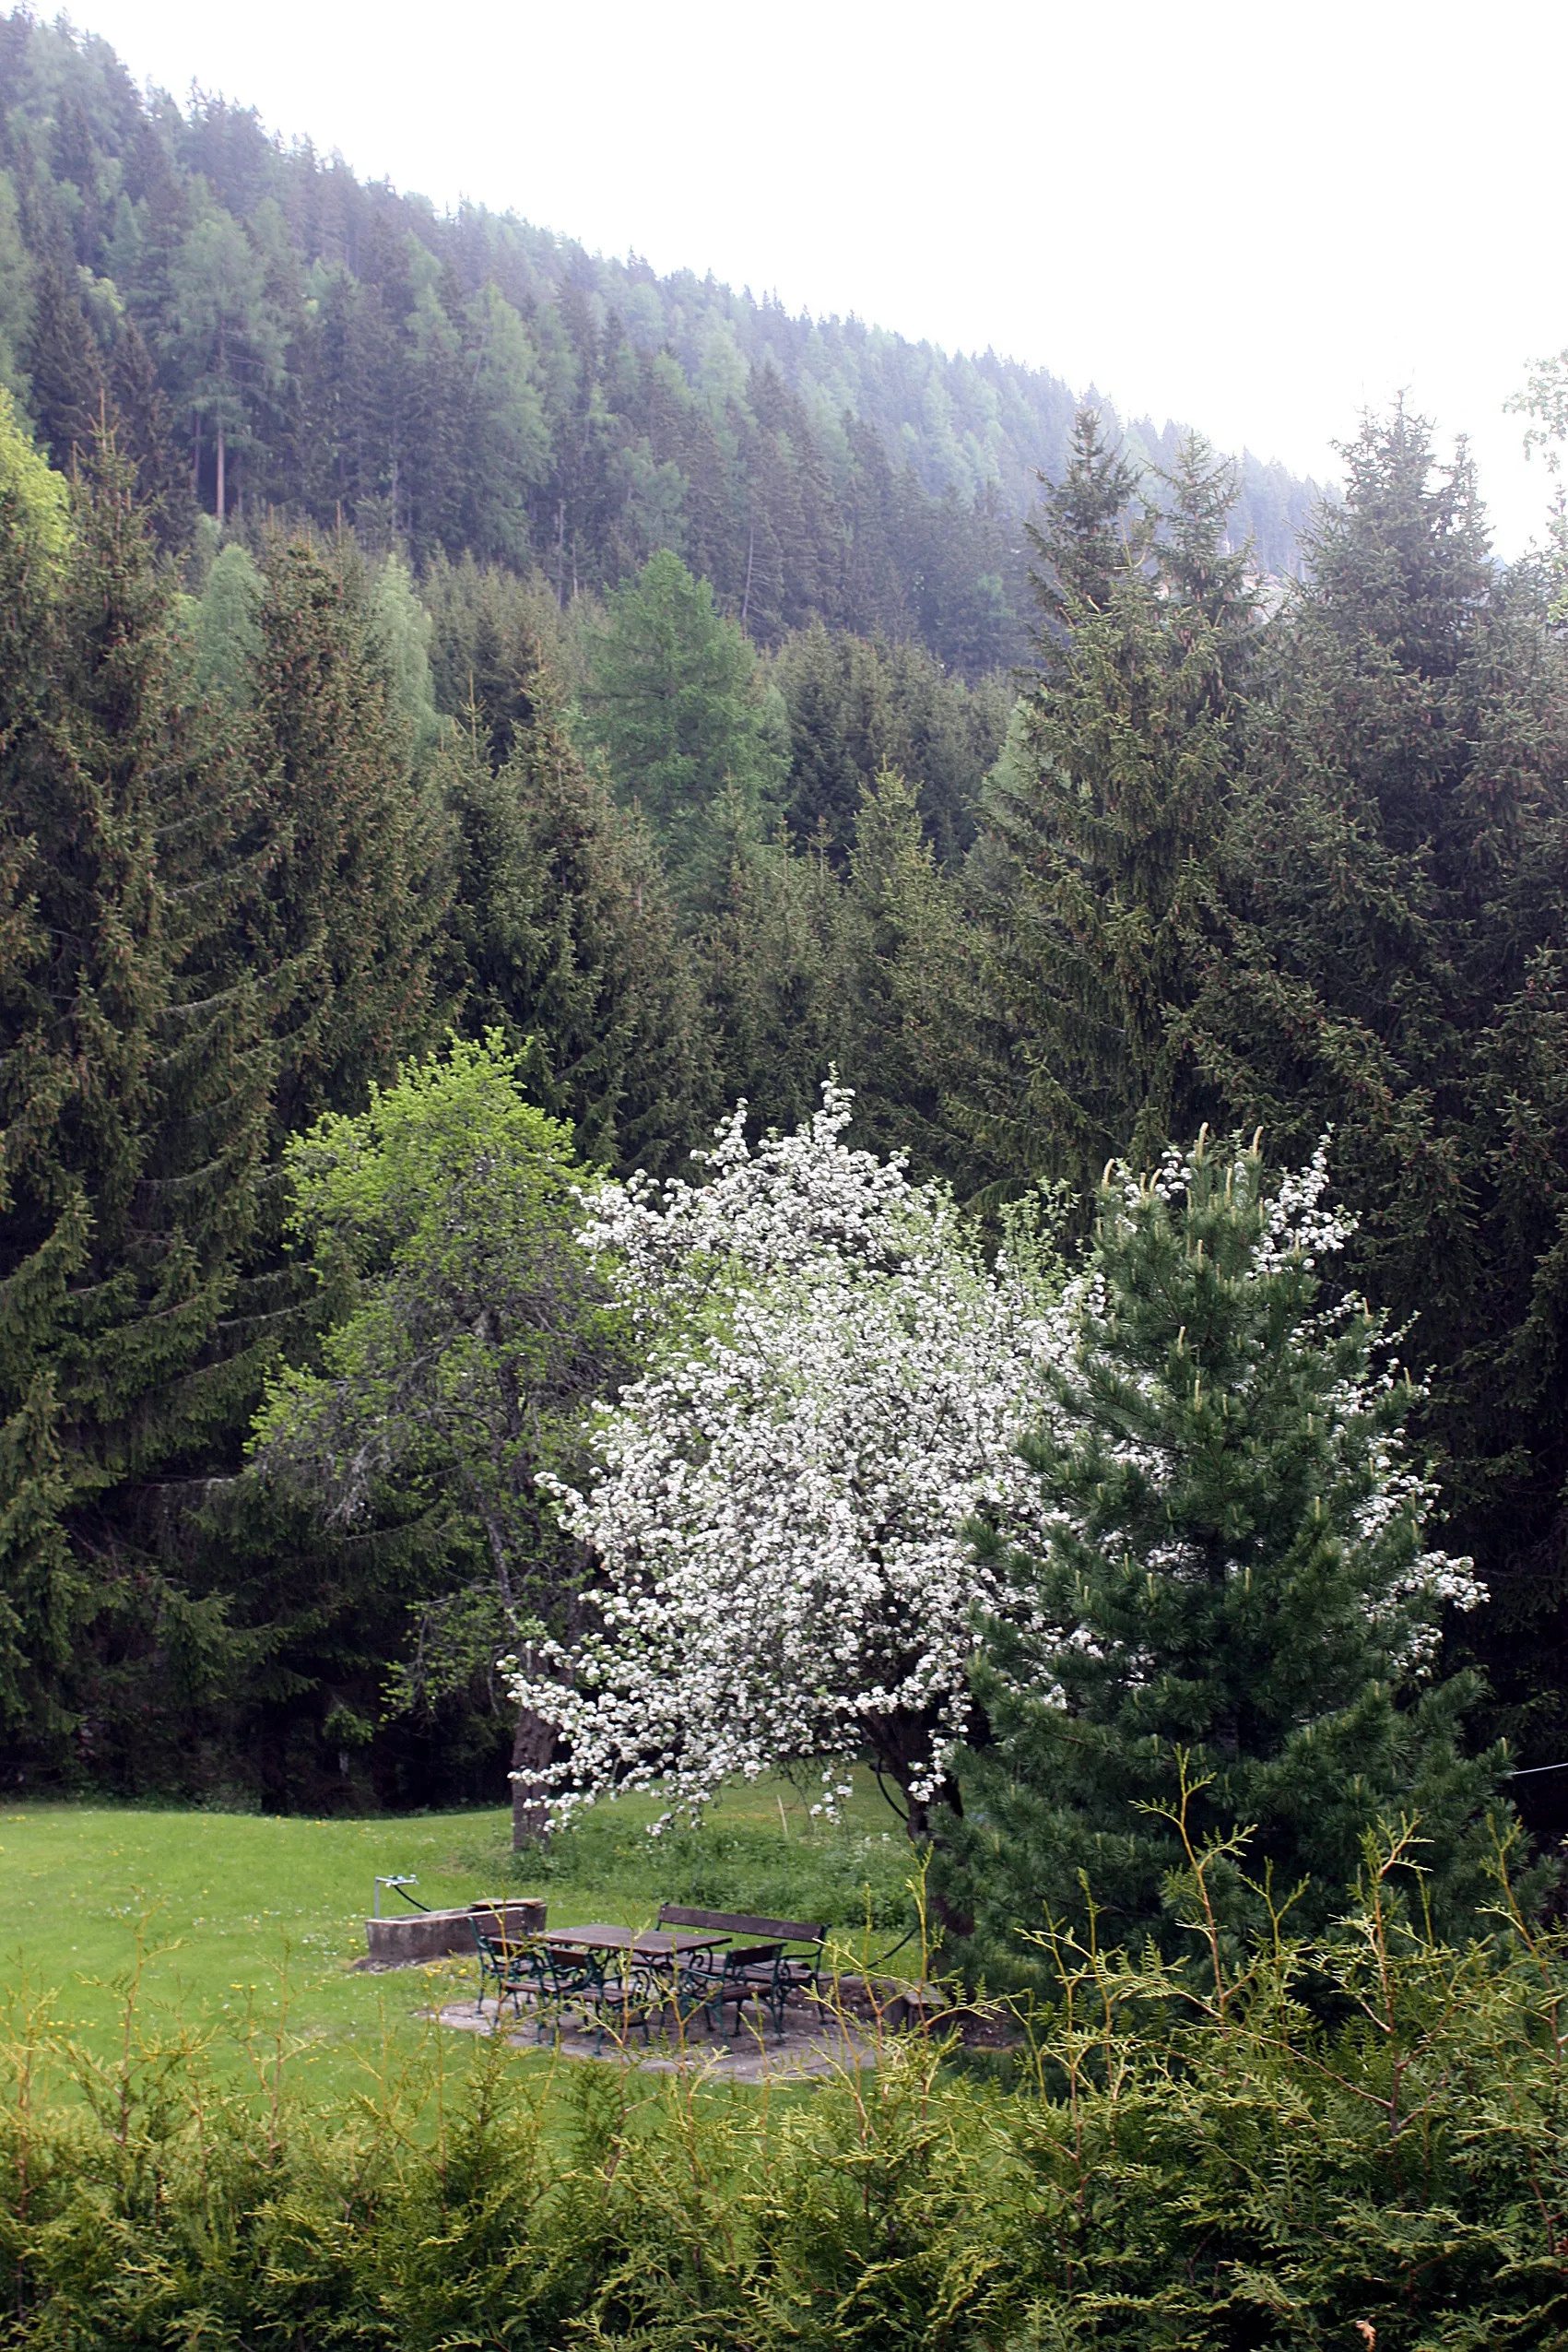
532,1743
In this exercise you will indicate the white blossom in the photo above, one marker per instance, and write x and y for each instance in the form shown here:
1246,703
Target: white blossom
838,1382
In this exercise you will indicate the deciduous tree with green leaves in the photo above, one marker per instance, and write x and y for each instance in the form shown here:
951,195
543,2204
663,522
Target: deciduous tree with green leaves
468,1331
690,730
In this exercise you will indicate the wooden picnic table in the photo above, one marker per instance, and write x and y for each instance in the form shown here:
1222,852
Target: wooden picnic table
649,1944
649,1975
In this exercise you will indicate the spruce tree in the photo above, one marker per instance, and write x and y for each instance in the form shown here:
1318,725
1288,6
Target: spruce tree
1393,870
15,294
64,366
776,976
146,438
1228,1581
356,878
491,635
830,691
40,1593
900,917
858,706
1094,875
562,936
134,1091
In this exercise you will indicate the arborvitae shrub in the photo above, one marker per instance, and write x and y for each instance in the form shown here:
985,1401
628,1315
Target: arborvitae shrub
1190,2161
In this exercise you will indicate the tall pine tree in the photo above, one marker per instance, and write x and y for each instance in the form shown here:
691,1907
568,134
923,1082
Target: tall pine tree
1227,1588
563,936
146,437
357,875
65,365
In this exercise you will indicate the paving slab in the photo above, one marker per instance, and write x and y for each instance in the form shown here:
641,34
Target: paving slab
812,2044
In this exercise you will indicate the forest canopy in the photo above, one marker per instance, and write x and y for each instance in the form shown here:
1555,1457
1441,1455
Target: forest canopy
444,672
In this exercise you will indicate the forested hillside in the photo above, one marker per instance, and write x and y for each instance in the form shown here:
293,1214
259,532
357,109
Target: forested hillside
468,707
336,350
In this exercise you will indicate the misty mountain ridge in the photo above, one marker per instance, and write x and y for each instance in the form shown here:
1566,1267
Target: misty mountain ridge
329,348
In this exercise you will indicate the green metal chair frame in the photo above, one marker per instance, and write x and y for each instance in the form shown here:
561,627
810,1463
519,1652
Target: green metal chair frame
689,1987
633,1995
753,1972
500,1964
560,1983
766,1972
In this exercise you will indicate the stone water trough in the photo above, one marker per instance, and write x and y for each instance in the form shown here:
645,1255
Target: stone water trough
413,1936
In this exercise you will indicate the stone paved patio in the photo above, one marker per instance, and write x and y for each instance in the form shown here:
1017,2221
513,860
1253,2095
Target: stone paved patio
813,2043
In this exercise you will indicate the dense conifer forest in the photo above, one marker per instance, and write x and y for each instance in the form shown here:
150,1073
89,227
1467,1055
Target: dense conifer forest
473,384
421,638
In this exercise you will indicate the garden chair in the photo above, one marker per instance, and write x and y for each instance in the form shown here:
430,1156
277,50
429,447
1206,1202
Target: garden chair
688,1988
623,2004
765,1972
559,1982
502,1965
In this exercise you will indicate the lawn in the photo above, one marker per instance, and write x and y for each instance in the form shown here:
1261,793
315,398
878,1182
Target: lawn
250,1924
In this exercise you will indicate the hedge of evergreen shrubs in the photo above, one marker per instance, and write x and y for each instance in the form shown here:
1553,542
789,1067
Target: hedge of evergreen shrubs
1358,2143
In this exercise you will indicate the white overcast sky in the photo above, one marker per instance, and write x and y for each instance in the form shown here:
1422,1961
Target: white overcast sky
1258,219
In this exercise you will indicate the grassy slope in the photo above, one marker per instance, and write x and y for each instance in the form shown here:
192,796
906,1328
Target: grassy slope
223,1902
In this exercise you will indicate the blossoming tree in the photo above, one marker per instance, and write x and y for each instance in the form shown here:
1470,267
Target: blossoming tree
838,1379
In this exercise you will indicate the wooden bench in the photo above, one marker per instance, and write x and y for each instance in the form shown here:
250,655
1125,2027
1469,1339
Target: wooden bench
762,1969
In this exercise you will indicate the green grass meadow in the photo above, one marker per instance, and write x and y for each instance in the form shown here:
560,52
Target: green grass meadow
240,1932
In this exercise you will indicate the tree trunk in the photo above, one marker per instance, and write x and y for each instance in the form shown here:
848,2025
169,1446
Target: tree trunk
531,1746
220,480
903,1753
